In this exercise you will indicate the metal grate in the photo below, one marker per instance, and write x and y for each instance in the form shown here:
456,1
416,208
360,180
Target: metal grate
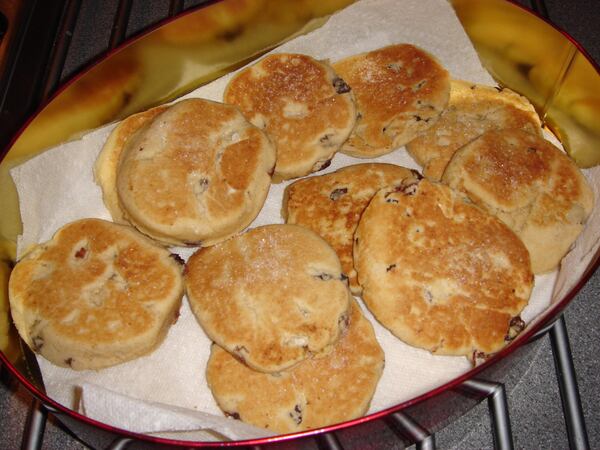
33,78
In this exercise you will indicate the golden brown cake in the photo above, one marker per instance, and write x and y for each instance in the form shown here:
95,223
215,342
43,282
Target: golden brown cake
440,273
271,296
316,392
331,205
531,185
400,90
195,175
96,295
301,103
472,110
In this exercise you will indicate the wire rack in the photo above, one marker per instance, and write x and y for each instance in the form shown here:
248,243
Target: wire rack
50,58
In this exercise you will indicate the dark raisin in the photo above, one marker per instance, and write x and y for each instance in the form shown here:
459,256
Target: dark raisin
416,174
326,140
473,86
140,149
237,353
178,259
176,316
515,327
407,187
344,321
233,415
531,149
203,182
80,253
337,193
419,119
428,296
479,357
323,165
419,85
389,199
390,267
296,414
341,87
324,276
358,116
38,343
69,362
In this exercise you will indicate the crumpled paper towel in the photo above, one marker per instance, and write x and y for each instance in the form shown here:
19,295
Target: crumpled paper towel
142,416
166,391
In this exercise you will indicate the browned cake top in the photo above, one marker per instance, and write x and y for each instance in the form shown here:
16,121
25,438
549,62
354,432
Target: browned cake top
318,391
437,271
531,185
95,282
306,109
196,174
272,296
331,205
400,90
472,110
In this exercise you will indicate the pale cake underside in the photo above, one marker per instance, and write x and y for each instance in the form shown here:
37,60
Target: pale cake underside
106,166
307,110
472,110
316,392
438,272
96,295
272,296
530,185
331,205
400,91
197,174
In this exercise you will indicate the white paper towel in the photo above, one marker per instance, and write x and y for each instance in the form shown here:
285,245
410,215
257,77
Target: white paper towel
57,187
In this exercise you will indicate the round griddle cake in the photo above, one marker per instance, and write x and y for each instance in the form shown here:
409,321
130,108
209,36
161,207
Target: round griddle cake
527,182
271,296
399,90
196,174
318,391
301,103
439,272
106,166
472,110
96,295
331,205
